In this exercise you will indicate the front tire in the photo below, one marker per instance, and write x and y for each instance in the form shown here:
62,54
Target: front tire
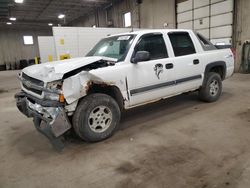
96,117
212,88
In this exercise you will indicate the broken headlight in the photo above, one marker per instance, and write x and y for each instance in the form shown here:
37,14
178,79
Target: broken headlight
54,90
56,85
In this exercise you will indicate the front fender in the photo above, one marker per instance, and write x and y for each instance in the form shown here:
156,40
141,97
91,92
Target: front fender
77,86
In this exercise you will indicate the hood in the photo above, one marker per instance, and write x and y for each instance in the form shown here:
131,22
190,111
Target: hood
55,70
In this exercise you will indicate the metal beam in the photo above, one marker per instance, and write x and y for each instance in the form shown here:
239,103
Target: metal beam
44,11
67,3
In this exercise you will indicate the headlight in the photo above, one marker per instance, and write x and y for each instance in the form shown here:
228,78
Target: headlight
55,86
51,96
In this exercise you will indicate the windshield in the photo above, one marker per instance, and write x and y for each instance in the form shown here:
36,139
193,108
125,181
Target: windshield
113,47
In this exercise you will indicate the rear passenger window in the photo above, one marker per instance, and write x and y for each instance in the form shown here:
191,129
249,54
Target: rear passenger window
182,43
154,44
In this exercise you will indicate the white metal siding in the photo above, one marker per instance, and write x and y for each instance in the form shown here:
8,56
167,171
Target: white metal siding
200,3
66,41
185,16
204,32
223,19
216,1
46,48
202,12
222,7
211,18
78,41
185,6
204,25
186,25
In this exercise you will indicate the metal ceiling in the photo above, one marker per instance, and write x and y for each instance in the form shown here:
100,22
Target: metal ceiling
41,12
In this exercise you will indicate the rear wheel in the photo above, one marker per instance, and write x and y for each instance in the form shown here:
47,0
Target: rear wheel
212,88
96,117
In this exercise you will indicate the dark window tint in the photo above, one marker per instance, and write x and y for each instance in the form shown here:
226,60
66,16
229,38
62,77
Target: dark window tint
154,44
203,39
182,44
205,43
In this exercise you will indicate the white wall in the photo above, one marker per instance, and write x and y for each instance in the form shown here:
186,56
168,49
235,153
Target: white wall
47,48
78,41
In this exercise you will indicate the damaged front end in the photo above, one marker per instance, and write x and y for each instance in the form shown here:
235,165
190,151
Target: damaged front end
50,93
51,121
44,105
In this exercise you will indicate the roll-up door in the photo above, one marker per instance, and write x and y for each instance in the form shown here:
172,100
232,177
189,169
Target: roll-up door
211,18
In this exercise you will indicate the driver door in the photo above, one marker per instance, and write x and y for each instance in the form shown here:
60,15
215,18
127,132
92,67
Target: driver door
150,80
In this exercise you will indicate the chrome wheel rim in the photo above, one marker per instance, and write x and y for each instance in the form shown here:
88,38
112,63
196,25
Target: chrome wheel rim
100,119
214,87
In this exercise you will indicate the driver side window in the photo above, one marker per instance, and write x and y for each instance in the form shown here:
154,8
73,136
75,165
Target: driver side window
154,44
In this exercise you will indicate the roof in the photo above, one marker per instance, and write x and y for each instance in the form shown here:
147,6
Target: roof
145,31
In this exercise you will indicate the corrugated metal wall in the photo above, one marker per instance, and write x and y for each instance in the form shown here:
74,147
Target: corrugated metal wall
212,18
12,47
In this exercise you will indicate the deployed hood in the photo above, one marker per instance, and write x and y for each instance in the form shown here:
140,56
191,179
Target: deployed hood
55,70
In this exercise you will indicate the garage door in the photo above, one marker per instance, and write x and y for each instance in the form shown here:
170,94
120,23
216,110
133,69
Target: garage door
211,18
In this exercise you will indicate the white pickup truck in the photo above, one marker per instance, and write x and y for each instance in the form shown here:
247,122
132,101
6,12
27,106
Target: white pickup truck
122,71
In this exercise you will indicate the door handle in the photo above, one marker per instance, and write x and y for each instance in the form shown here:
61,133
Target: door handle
196,61
169,66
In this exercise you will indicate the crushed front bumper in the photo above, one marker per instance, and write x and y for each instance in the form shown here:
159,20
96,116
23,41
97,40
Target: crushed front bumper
49,117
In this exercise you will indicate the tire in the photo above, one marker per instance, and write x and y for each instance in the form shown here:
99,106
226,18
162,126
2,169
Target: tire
212,88
96,118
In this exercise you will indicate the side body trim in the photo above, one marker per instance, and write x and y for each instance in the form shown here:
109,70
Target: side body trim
165,84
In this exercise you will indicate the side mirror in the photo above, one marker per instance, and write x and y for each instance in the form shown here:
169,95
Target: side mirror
141,56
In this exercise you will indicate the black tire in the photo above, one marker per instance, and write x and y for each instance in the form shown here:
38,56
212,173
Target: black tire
83,123
206,93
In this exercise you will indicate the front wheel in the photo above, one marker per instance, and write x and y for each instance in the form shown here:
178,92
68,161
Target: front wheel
212,88
96,117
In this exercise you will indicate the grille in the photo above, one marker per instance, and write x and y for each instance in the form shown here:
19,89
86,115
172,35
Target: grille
39,92
33,81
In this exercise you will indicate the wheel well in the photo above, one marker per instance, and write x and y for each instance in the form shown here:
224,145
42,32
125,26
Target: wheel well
110,90
218,69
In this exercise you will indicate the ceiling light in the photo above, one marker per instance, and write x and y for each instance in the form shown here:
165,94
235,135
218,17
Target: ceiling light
19,1
12,18
61,16
9,23
50,24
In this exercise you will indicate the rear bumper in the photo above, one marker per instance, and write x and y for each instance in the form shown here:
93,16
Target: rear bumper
230,72
50,120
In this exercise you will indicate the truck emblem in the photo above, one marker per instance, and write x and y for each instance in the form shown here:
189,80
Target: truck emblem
158,70
28,83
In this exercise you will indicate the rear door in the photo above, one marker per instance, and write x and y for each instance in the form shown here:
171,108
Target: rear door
188,62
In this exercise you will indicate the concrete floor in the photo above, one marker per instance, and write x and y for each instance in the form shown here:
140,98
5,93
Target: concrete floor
175,143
